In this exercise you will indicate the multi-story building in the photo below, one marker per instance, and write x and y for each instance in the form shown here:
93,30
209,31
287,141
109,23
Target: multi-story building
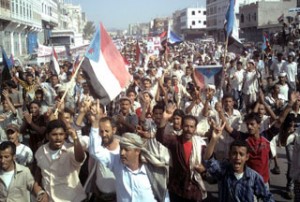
262,16
193,18
192,22
49,15
216,11
20,21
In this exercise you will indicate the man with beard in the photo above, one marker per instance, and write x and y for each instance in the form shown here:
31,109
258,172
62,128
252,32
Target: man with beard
101,180
185,182
126,120
141,176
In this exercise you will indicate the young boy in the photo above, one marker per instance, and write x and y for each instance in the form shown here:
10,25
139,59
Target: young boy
237,182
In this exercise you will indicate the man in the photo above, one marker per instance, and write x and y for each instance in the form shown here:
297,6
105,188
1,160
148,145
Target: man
16,180
34,125
9,115
126,120
138,180
276,66
237,182
24,155
185,182
283,85
259,142
101,181
29,85
234,119
59,164
250,86
290,67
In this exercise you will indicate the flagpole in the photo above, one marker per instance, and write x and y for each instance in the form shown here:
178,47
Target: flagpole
224,63
68,86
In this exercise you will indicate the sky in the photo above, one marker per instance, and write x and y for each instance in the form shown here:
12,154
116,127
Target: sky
120,13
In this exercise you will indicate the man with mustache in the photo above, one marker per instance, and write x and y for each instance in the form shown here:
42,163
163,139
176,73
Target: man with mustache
140,176
101,181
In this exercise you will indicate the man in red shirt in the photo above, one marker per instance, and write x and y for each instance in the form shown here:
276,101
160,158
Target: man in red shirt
259,142
185,183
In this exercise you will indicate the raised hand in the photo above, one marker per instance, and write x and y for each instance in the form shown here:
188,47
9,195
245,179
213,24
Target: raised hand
5,94
85,105
168,113
28,117
217,130
96,113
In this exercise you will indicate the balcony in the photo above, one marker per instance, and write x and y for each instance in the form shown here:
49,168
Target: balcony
4,13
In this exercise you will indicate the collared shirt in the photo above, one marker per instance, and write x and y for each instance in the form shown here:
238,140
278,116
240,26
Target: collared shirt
20,186
222,147
133,186
259,150
60,176
234,190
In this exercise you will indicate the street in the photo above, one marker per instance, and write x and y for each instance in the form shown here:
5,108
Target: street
277,182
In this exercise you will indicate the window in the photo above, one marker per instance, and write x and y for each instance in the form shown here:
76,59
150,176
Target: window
193,12
27,11
249,17
254,16
204,22
24,9
42,7
21,7
193,22
199,11
199,21
242,18
204,12
13,6
17,6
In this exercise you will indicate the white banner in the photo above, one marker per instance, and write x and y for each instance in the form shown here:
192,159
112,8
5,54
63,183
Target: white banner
153,46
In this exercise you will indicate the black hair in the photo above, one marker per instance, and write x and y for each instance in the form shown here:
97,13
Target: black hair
56,124
252,116
110,120
39,91
190,117
179,112
225,96
69,111
35,102
130,90
239,143
158,107
8,144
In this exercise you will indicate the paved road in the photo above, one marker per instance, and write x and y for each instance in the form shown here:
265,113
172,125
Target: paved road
277,182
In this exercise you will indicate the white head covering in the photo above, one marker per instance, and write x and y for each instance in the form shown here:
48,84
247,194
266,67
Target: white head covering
134,141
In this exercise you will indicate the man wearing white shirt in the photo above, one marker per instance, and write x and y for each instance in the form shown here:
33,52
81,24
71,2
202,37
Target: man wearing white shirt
140,176
290,67
276,66
101,181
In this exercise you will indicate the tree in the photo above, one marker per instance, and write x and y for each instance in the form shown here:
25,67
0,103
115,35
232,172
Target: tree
89,30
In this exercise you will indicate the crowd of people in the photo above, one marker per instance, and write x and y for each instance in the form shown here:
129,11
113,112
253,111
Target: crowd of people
162,139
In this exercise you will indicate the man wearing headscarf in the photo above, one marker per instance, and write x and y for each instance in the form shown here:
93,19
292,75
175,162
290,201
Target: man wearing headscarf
139,175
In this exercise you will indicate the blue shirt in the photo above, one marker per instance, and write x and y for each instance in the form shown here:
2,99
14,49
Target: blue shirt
234,190
131,186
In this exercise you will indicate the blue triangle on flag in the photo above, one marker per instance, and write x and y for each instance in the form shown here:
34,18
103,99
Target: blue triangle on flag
209,72
93,50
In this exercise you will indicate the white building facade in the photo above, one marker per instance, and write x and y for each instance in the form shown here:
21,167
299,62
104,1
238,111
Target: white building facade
193,18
